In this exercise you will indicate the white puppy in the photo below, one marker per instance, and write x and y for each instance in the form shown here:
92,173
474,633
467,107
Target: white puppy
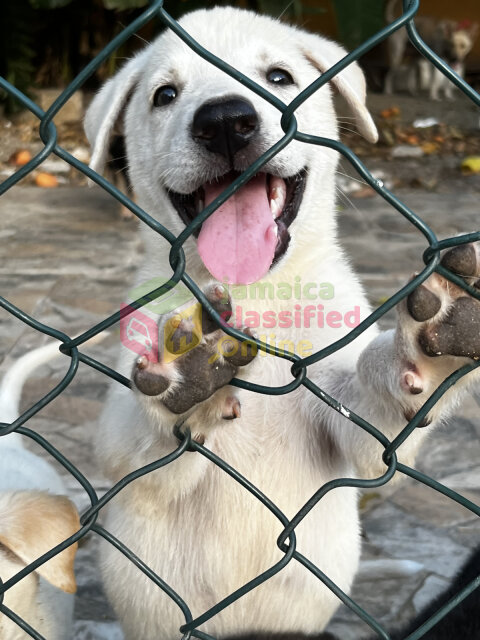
190,129
35,516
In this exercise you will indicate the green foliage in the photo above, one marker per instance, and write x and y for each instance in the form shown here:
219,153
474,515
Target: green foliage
16,48
49,4
51,40
357,20
122,5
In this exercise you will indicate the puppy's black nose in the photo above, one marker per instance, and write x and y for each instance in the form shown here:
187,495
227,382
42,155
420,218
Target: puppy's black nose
225,126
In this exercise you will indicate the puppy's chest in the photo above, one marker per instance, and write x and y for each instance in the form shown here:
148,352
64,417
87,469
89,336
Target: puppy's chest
277,464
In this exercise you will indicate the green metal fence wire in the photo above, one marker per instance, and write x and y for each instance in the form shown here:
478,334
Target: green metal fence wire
70,347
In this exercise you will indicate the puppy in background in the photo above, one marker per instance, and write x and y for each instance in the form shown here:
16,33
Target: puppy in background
450,40
35,516
460,39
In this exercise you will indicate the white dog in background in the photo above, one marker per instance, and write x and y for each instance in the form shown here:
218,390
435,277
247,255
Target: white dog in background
190,130
35,516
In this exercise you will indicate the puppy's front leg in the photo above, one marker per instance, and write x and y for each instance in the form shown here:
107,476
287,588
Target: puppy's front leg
438,332
191,379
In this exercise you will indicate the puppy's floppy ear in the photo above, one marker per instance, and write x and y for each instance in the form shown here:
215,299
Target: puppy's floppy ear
32,523
107,107
350,82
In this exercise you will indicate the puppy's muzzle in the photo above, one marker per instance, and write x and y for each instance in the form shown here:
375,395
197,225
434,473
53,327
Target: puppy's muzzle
248,233
225,126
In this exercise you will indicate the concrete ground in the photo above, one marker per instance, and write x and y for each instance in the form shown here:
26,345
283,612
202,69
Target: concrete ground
67,259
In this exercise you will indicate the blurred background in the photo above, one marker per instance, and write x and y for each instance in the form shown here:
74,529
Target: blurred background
45,43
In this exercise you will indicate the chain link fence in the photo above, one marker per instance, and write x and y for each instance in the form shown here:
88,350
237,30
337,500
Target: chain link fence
71,347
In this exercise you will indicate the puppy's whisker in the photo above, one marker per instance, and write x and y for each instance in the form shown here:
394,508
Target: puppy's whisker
164,155
120,172
123,26
346,175
346,199
347,129
285,10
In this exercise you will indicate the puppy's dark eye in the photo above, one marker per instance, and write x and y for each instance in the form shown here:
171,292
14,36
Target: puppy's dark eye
164,95
279,76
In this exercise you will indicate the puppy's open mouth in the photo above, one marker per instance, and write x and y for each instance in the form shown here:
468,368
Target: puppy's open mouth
247,234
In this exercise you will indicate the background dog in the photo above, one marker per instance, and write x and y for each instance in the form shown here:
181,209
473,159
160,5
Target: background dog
190,130
450,40
35,516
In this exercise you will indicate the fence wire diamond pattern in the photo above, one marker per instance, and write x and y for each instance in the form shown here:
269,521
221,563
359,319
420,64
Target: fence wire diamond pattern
71,347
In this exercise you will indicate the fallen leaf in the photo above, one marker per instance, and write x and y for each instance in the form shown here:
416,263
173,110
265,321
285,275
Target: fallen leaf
392,112
412,139
20,157
429,148
471,164
46,180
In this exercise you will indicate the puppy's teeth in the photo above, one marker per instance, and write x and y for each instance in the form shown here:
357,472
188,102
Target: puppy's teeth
275,209
200,206
277,196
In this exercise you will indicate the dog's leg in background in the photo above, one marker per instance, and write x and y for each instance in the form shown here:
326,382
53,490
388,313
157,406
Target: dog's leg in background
437,83
425,71
441,82
396,44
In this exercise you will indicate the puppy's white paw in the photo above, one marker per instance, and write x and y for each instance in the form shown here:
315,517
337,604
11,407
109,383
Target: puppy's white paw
202,359
450,317
439,323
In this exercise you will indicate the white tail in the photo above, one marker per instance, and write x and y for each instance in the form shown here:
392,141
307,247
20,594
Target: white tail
14,379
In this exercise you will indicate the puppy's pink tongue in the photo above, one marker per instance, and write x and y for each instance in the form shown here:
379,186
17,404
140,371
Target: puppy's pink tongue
237,242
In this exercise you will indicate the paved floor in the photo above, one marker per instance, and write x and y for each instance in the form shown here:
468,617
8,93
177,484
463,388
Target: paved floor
67,259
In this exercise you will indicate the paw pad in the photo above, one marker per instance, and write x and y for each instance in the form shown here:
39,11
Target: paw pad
204,361
451,317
